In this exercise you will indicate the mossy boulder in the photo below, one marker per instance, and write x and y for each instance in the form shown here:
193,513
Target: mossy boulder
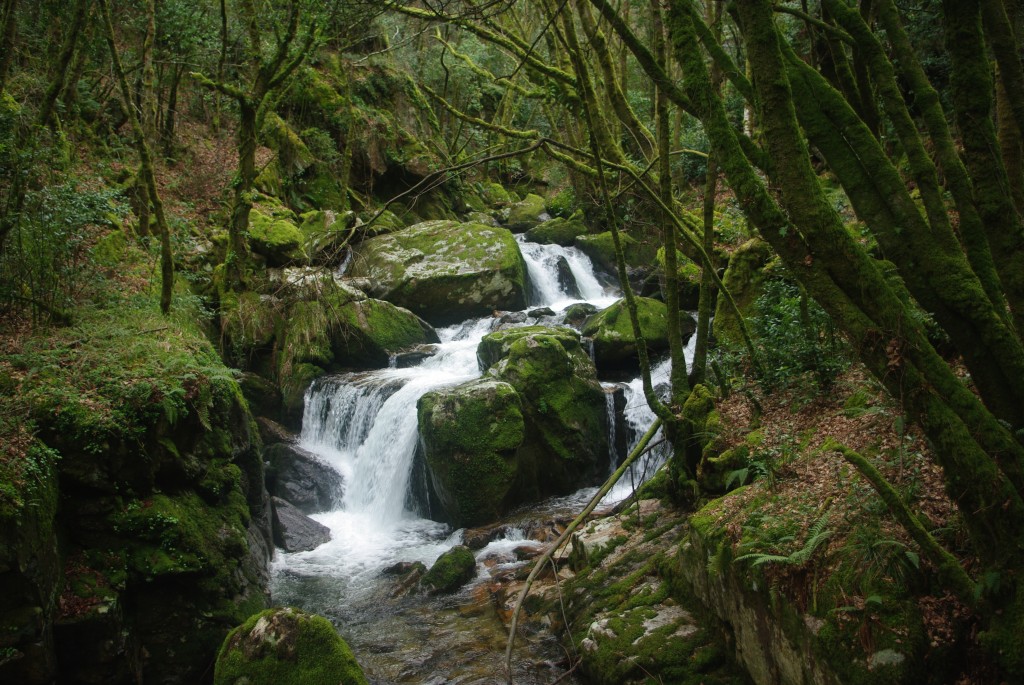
526,213
558,231
612,332
689,275
471,434
324,234
601,250
563,403
495,346
744,279
445,271
286,646
495,195
452,570
276,237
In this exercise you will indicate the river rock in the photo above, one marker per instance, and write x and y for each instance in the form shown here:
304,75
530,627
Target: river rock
563,404
274,235
286,645
575,314
566,279
513,318
540,312
452,570
557,231
495,346
301,478
526,213
445,271
614,344
470,435
271,432
294,531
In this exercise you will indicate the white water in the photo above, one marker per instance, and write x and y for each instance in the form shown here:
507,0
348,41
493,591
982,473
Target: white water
365,426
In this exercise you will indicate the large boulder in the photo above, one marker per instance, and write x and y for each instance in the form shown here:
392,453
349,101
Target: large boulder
275,235
471,434
612,332
445,271
600,247
301,478
294,531
494,347
286,646
558,231
564,406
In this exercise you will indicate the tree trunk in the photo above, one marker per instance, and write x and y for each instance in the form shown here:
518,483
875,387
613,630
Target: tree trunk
63,61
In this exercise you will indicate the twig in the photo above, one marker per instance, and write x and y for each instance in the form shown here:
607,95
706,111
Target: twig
567,533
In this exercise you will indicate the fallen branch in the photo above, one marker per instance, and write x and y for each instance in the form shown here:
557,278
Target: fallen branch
567,533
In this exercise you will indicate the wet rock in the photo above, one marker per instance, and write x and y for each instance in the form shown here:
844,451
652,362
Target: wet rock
263,396
566,280
471,434
271,432
513,317
452,570
413,357
558,231
286,645
539,312
294,531
575,314
301,478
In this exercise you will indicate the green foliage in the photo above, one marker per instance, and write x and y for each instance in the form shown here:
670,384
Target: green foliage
817,535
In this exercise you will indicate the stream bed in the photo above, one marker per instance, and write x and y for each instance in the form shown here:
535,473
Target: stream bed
365,425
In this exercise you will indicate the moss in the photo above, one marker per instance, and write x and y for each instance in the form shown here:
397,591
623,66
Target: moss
286,647
445,271
525,213
743,278
601,250
558,231
612,331
495,346
495,195
452,570
276,238
470,435
562,204
109,251
564,406
370,330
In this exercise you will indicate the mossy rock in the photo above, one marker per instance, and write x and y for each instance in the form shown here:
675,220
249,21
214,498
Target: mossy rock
286,646
324,234
564,406
612,332
495,346
558,231
276,238
601,249
744,279
562,203
445,271
372,330
526,213
452,570
495,195
470,435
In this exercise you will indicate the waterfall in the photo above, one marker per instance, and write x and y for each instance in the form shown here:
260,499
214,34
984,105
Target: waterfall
542,265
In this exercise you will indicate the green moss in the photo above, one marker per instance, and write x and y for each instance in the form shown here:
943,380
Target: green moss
562,204
525,213
558,231
495,346
600,247
612,331
452,570
470,435
495,195
744,278
286,647
276,238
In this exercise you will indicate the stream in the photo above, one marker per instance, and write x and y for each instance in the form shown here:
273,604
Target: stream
365,425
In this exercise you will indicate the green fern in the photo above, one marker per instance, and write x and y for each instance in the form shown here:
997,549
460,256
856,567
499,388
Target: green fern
816,536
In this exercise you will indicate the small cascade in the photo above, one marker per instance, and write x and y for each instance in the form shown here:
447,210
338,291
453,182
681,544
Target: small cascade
609,404
542,265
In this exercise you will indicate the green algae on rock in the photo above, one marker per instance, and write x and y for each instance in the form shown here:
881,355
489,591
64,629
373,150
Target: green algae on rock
286,646
612,332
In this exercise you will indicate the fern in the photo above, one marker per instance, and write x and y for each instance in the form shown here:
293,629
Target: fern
816,536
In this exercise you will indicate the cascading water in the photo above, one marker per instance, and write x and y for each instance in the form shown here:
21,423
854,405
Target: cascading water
365,426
